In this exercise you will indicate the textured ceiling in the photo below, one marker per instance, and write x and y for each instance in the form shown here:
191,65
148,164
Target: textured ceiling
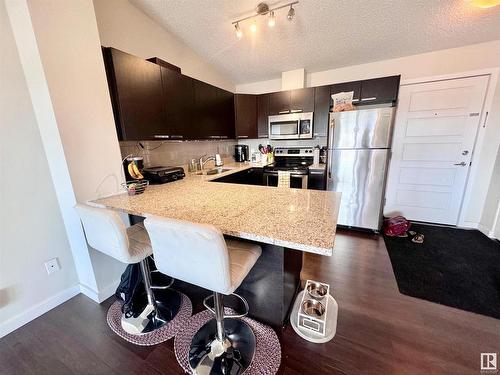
326,34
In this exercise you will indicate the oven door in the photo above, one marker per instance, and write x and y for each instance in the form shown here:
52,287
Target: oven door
297,181
284,127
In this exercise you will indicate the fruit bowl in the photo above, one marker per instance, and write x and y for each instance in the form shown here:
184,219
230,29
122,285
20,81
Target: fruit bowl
135,187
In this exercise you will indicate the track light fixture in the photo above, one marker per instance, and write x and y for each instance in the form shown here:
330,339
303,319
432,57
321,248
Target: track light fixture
291,13
239,32
262,10
272,19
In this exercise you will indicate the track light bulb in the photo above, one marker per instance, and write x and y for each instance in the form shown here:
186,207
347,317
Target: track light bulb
291,13
272,19
239,32
253,27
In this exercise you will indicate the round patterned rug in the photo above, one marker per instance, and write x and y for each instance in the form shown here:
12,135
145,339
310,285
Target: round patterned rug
267,357
166,332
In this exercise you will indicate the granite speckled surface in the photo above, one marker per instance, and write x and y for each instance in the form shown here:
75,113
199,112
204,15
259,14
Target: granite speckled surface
294,218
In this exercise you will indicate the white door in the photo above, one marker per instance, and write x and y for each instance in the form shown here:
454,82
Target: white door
434,135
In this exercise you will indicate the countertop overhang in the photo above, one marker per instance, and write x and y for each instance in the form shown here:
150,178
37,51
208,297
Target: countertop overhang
298,219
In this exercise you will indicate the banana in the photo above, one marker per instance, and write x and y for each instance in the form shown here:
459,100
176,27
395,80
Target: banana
134,171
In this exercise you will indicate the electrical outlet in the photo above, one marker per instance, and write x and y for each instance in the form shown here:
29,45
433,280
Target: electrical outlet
52,266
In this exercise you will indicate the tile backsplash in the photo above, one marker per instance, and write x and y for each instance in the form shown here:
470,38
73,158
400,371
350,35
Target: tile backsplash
167,153
253,144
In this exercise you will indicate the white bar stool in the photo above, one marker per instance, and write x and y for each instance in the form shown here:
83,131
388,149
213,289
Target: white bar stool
106,232
198,254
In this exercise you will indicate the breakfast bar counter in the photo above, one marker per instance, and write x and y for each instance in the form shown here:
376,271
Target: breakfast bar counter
286,222
298,219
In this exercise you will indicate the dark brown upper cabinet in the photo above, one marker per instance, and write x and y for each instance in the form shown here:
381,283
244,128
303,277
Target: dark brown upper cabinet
213,112
136,94
380,90
279,102
178,102
262,116
225,118
346,87
205,112
321,111
371,91
299,100
165,64
245,113
302,100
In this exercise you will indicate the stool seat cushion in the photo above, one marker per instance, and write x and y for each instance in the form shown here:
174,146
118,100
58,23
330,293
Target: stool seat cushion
242,257
139,245
199,254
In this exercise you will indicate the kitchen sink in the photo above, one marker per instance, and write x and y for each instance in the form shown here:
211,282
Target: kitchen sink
215,171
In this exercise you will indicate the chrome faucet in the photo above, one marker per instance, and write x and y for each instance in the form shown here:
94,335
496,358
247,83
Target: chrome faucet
216,158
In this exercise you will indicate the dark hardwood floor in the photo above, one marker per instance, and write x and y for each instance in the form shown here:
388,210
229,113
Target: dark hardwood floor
380,331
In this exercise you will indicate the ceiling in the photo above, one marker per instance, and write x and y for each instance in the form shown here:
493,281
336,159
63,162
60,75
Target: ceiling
326,34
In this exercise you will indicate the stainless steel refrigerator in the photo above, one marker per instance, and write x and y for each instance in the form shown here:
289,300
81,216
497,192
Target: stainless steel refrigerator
358,154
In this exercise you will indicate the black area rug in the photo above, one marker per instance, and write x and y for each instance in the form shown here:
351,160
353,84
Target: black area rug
454,267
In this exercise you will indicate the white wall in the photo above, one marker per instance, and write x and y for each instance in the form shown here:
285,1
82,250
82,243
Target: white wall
490,220
69,45
456,60
123,26
31,227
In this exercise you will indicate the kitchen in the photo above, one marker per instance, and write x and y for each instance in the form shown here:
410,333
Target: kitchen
302,204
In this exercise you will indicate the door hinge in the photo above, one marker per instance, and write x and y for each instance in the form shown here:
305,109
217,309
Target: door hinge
485,119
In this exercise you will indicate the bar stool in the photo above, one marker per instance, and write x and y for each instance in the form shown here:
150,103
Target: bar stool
198,254
106,232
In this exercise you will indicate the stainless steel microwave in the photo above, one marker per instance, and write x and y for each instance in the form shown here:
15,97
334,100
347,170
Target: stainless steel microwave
291,126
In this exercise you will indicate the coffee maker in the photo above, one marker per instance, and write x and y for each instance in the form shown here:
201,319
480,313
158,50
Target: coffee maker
241,153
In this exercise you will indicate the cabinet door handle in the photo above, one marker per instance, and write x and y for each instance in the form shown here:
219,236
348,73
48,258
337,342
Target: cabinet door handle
176,136
162,136
284,112
295,111
214,136
355,100
242,136
368,99
223,136
462,164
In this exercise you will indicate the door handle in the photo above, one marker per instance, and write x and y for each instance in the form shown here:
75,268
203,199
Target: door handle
296,111
284,112
463,164
162,136
466,152
176,136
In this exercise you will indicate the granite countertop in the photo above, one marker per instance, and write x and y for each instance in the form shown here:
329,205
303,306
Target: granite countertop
299,219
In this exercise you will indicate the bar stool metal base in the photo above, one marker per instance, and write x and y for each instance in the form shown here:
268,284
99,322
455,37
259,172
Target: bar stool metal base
150,317
208,355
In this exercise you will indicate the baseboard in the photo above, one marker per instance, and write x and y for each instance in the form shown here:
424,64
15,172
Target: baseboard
108,291
101,295
39,309
486,231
